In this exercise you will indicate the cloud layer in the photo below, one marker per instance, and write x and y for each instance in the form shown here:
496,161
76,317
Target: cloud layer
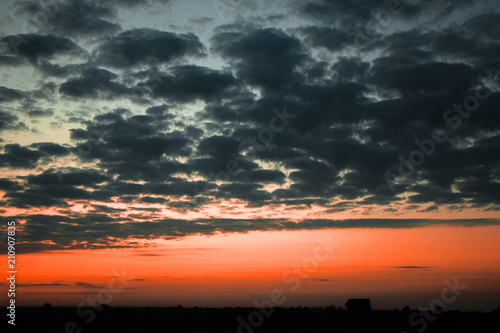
358,109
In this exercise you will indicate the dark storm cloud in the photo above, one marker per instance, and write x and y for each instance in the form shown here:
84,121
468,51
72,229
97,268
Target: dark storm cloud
46,92
211,167
94,83
219,147
137,139
28,199
8,185
55,189
349,13
51,149
8,95
430,209
324,8
15,156
153,200
141,150
60,71
9,121
94,232
350,68
311,178
36,47
430,77
147,47
221,113
188,83
330,38
178,188
266,58
54,192
484,26
253,193
262,176
159,111
40,113
134,3
77,18
154,171
193,132
359,12
70,17
71,177
10,61
184,207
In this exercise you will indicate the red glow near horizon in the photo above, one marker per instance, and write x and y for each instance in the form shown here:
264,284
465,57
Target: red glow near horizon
235,269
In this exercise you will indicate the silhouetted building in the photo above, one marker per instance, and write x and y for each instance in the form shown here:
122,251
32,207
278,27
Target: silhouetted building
358,304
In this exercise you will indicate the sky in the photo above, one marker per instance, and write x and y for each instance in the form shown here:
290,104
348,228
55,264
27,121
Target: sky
208,148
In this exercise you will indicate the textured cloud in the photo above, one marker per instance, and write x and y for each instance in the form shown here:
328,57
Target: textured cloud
8,95
147,47
249,119
9,121
189,83
94,231
70,17
359,12
37,47
15,156
265,58
94,83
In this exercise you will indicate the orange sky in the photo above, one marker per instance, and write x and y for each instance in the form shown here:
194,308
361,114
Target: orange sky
237,269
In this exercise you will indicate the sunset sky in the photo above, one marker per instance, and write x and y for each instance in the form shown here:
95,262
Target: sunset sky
206,153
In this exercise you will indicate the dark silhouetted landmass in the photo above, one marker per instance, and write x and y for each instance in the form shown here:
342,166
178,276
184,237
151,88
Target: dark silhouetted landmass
247,320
